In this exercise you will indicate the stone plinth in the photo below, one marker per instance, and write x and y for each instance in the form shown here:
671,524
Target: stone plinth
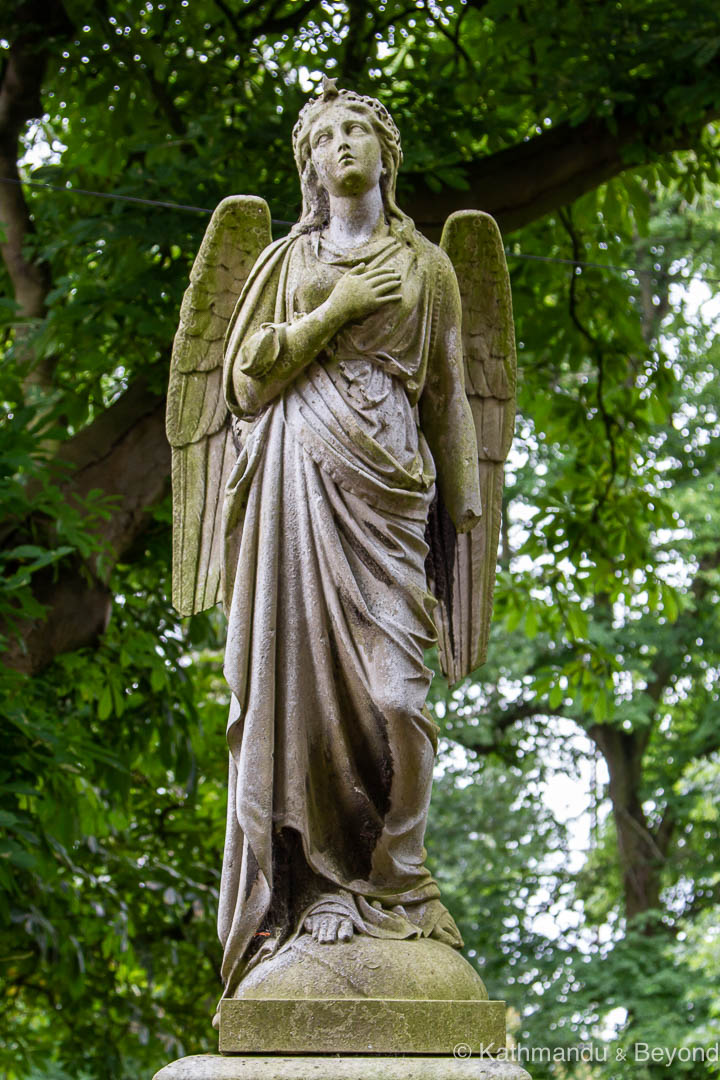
365,996
217,1067
368,1026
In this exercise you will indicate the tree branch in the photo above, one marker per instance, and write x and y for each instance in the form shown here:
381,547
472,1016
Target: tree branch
641,858
533,178
357,44
279,24
454,37
609,421
123,453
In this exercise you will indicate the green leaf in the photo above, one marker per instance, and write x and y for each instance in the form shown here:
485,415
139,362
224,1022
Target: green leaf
105,703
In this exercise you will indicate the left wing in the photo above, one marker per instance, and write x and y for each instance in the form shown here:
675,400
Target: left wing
468,561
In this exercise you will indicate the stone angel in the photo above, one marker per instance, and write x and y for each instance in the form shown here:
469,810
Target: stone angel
341,403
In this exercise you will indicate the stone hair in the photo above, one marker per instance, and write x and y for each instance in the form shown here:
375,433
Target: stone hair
316,207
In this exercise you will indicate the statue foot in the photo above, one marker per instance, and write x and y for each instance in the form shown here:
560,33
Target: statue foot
329,929
446,931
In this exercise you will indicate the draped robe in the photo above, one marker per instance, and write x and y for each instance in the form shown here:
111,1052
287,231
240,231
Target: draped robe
329,613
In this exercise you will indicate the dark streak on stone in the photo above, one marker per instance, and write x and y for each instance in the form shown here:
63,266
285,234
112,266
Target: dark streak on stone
365,557
379,535
441,538
252,872
372,774
356,613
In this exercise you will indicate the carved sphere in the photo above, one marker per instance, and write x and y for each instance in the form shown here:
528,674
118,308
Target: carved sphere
365,967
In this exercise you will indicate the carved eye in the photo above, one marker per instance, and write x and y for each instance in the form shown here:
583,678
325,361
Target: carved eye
322,139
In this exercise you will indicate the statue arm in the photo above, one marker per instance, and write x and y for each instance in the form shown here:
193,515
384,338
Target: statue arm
445,415
277,353
262,365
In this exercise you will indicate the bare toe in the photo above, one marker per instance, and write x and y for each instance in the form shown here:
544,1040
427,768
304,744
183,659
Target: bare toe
328,931
345,932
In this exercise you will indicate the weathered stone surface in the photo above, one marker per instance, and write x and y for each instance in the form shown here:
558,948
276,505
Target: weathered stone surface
349,359
365,967
215,1067
368,995
359,1026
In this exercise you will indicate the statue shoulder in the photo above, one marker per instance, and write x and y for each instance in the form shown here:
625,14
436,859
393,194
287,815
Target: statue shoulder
282,243
265,271
436,260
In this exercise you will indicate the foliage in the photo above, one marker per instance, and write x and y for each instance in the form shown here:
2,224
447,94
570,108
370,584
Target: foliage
114,810
606,649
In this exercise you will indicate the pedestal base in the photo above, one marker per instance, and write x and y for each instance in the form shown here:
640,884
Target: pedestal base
359,1026
365,996
217,1067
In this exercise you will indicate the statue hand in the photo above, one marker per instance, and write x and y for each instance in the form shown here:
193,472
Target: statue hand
360,292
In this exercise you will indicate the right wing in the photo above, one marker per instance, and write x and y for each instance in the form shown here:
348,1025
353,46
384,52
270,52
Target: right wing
197,420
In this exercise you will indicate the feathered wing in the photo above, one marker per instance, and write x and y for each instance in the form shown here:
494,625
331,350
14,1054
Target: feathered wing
473,242
198,422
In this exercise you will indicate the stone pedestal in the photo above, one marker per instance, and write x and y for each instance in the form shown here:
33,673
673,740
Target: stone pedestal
369,1026
367,1009
365,996
329,1067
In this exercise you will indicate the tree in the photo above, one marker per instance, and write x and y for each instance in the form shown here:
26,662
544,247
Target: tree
588,131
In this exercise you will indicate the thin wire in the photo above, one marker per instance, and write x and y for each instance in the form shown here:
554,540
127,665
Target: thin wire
593,265
570,262
114,196
120,198
107,195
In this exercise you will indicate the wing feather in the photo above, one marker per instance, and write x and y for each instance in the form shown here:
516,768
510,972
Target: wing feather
473,242
198,422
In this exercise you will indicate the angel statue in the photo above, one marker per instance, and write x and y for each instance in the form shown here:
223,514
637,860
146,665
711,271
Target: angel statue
340,407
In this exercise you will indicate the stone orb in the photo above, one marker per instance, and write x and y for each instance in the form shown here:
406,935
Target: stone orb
365,967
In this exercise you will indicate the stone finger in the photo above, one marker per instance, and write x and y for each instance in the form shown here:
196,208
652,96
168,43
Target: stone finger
375,283
382,271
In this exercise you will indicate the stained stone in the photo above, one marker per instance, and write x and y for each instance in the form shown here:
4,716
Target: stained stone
217,1067
365,1026
365,967
340,400
368,995
340,407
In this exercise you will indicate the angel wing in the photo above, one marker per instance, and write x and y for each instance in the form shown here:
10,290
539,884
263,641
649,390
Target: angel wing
197,420
473,242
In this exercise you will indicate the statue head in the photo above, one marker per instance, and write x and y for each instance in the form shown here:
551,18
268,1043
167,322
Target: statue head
315,202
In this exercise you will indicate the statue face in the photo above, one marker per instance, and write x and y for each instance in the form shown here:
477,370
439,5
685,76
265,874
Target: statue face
345,151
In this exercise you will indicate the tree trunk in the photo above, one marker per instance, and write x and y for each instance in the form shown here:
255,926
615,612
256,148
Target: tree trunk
639,855
20,101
